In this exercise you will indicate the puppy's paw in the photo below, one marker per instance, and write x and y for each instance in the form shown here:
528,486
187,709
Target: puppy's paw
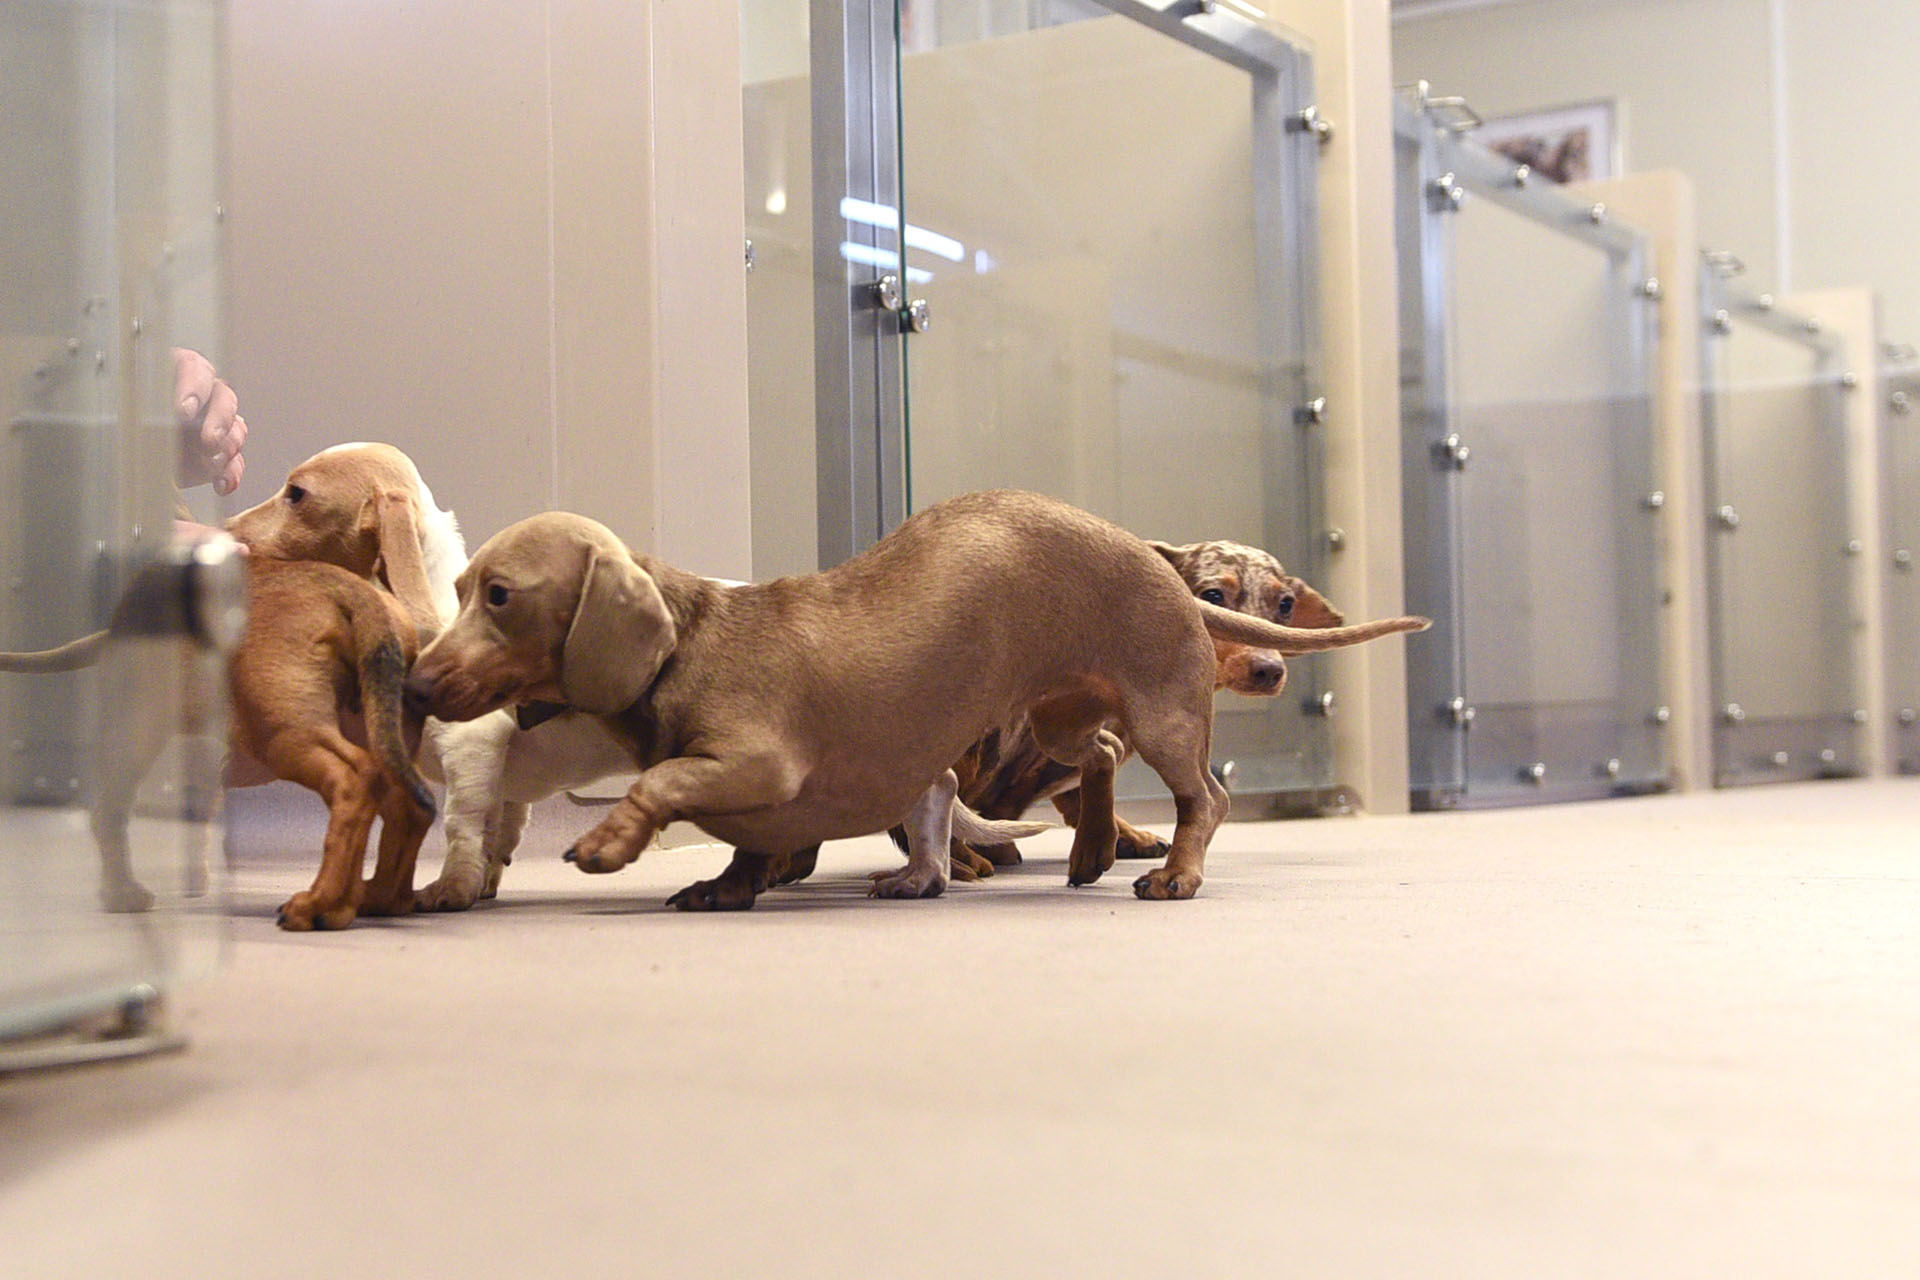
908,882
1090,858
970,864
1129,847
396,904
125,897
451,892
618,840
1160,884
719,894
305,912
1001,855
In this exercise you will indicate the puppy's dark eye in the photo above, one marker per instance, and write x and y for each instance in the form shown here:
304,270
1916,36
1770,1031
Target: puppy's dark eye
1214,595
294,494
496,594
1286,607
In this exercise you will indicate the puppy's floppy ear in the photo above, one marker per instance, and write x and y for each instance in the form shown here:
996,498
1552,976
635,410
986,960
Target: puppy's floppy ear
1311,609
401,563
1176,556
621,633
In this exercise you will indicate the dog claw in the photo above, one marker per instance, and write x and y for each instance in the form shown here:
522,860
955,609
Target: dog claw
571,855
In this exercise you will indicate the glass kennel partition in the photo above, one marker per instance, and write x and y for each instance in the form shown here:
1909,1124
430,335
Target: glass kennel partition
1900,499
1066,245
108,261
1527,331
1109,293
1780,555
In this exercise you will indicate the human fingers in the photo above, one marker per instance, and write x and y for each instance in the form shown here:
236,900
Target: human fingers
193,379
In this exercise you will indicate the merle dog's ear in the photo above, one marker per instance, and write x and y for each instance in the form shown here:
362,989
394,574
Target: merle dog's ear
1310,608
620,636
1176,556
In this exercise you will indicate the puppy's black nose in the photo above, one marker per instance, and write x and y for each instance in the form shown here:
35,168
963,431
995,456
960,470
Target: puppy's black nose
1267,674
417,693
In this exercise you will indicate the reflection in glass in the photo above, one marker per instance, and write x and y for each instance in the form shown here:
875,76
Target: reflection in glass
108,261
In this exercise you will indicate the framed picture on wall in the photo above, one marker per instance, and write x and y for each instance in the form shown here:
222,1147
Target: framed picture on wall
1565,144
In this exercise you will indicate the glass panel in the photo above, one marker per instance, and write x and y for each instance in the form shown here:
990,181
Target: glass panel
1550,393
777,103
1901,493
1430,504
1783,672
108,190
1080,195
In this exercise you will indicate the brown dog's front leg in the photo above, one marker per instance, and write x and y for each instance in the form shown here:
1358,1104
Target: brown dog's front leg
734,889
684,787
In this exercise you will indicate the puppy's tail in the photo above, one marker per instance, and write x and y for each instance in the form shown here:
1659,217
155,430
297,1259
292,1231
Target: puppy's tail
70,656
970,828
1225,624
382,664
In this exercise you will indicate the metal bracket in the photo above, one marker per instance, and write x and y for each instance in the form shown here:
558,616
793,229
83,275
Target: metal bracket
1312,413
1309,120
1445,194
1459,714
1452,452
1322,705
885,293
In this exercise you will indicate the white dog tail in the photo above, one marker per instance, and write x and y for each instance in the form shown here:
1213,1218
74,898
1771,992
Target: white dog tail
970,828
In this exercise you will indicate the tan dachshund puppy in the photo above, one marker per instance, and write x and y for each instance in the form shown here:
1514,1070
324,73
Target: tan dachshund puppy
1006,773
829,705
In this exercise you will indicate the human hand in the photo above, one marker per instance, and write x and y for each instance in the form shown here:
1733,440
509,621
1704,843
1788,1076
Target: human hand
212,432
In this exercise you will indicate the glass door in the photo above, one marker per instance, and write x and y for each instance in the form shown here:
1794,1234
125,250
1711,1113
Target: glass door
1527,324
1900,500
110,772
1785,699
1108,292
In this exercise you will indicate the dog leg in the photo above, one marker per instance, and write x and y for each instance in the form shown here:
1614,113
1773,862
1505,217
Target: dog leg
683,787
473,758
351,783
502,840
929,827
1132,841
734,889
793,867
1179,755
403,827
126,753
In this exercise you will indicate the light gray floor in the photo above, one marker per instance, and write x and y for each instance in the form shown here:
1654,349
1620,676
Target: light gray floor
1664,1037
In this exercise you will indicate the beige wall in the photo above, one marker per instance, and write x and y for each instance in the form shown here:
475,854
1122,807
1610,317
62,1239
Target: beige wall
1797,170
1690,79
497,237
